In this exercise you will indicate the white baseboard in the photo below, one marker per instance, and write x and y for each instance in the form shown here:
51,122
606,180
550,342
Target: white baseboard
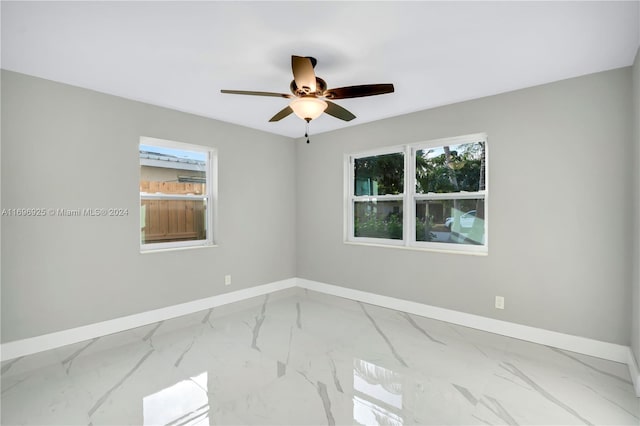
58,339
605,350
634,371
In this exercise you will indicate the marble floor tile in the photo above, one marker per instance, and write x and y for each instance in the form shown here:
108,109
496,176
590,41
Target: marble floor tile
303,358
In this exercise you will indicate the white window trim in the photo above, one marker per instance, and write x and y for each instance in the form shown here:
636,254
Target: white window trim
350,199
410,197
211,185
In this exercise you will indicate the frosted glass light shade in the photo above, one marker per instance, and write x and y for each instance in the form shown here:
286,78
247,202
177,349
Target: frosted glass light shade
308,108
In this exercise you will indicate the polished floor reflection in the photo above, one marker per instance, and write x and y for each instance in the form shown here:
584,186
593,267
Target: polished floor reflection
302,358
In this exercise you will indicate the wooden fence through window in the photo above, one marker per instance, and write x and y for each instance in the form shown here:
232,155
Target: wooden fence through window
172,220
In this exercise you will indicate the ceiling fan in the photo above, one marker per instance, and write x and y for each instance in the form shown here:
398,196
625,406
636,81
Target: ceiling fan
310,96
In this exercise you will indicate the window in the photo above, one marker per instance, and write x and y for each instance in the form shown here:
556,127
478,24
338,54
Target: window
177,188
378,196
431,195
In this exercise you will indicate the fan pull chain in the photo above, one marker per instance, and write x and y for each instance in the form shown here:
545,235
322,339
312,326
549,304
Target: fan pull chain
306,131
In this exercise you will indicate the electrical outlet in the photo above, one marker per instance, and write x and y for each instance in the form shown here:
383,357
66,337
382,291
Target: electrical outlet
227,280
499,302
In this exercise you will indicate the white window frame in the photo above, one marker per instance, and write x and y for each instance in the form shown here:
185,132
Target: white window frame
352,199
410,196
210,196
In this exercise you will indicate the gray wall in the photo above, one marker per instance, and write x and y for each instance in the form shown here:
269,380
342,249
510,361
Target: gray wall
635,236
558,163
66,147
560,209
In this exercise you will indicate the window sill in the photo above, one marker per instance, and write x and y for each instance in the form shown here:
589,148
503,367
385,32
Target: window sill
164,249
415,248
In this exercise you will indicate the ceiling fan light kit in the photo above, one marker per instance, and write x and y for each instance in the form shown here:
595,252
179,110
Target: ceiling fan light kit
308,107
310,94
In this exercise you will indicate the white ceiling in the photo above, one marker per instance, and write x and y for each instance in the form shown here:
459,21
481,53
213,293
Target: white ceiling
180,54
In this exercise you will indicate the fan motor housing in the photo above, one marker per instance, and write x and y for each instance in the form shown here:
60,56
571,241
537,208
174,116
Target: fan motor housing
321,87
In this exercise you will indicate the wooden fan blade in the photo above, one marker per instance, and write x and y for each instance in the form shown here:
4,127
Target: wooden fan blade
358,91
282,114
338,112
303,73
246,92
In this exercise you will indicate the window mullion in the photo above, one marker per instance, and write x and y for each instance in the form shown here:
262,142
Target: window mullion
450,195
160,196
387,197
409,189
